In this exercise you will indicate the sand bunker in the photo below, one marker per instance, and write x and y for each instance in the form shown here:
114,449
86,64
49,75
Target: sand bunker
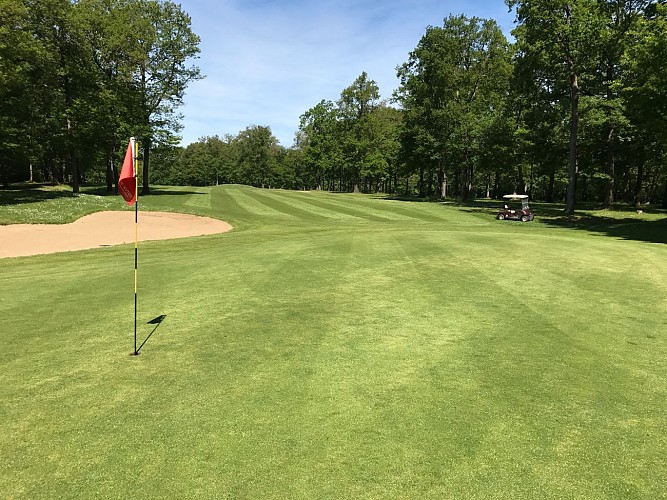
102,229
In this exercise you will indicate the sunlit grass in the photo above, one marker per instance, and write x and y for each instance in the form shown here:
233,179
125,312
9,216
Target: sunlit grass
51,205
339,346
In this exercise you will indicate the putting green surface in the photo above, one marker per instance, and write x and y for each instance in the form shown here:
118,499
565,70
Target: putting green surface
338,346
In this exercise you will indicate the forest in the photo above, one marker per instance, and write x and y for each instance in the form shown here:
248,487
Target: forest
572,109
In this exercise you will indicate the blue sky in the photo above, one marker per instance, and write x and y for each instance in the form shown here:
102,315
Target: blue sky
267,62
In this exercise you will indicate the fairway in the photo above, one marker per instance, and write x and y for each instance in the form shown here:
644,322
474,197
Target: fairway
336,346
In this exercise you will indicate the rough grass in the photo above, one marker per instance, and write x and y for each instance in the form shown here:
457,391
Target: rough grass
338,346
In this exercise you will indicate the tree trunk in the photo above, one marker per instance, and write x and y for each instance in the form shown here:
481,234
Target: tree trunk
636,199
69,146
550,187
530,181
145,188
71,157
441,180
56,172
75,172
468,172
429,191
574,130
421,181
110,173
466,186
584,187
457,180
611,160
50,169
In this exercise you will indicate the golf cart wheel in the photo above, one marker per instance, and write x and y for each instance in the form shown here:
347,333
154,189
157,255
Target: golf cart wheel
500,216
525,218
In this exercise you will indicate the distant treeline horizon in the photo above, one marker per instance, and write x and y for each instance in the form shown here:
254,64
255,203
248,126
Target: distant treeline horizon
573,110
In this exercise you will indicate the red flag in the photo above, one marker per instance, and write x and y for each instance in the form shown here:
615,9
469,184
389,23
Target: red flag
127,184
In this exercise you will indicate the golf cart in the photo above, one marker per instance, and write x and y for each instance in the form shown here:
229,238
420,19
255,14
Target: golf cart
515,208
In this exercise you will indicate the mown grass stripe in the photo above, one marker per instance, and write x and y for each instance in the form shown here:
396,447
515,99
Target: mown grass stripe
318,200
224,202
425,212
284,205
344,213
373,209
394,206
294,199
200,198
253,205
378,205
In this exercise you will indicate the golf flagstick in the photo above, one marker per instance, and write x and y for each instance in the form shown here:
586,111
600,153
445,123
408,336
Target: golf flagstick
135,154
128,186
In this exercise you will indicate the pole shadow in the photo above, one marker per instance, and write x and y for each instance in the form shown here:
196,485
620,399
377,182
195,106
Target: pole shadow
155,321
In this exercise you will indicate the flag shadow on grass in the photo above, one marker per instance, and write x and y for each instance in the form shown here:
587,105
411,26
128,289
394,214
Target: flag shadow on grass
155,321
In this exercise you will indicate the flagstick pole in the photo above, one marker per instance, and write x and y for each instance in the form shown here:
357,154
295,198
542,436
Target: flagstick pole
135,153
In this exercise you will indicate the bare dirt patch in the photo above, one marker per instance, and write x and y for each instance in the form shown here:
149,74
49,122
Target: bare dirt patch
103,229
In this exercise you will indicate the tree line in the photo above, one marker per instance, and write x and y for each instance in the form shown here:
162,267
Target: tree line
571,110
79,77
350,145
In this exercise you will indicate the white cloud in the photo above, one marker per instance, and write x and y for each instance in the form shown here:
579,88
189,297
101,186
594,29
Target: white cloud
267,62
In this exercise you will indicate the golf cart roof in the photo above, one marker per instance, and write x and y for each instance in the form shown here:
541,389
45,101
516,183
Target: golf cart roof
516,196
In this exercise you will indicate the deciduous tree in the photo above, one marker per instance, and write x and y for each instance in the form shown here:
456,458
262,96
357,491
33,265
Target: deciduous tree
162,68
558,43
454,82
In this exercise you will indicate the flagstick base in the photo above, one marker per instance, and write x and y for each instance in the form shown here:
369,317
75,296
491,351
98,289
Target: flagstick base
135,353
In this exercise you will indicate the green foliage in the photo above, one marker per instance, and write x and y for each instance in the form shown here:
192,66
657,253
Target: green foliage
253,157
359,150
645,85
160,70
255,149
557,45
453,88
569,71
352,144
78,78
320,142
579,98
